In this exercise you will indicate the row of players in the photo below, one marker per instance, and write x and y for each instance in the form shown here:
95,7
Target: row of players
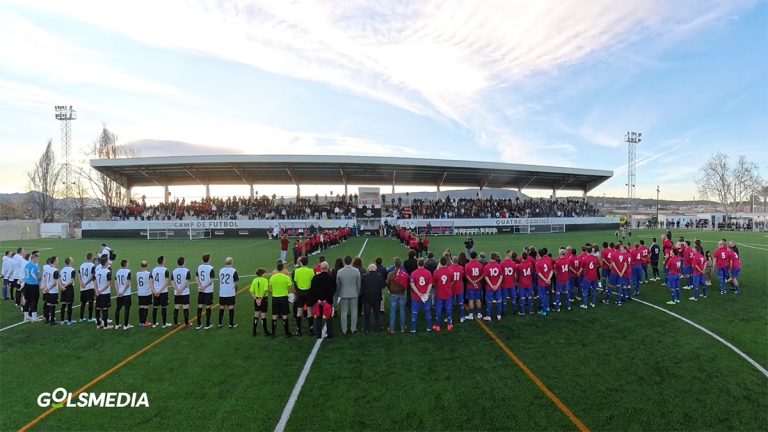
505,282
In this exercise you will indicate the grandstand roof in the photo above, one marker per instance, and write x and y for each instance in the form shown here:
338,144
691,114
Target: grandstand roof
347,170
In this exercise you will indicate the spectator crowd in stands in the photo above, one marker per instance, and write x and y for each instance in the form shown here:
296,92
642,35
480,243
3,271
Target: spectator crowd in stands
450,208
238,208
345,208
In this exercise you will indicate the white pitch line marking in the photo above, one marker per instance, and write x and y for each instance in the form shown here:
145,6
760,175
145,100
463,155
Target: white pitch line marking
286,415
718,338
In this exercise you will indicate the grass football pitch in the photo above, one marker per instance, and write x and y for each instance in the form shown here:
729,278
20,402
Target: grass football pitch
629,367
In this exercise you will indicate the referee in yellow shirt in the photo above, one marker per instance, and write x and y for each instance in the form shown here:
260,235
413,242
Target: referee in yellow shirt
260,294
302,277
280,285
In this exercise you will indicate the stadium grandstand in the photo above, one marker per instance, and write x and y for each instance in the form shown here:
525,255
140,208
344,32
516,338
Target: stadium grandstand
366,210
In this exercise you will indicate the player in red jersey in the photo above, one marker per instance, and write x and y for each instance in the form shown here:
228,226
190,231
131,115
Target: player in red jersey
723,265
524,274
646,255
493,276
591,266
508,291
421,285
735,267
699,265
636,269
457,270
443,279
284,243
473,271
544,271
574,282
605,265
621,263
562,279
674,266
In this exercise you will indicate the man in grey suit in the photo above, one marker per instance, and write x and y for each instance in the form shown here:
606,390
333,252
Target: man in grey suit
348,290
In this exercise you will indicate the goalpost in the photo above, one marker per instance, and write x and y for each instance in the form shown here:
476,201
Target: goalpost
178,234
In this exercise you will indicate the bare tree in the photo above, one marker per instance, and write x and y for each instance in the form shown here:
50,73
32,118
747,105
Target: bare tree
44,184
106,192
729,185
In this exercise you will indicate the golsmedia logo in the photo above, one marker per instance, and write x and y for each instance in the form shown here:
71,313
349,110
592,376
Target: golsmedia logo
61,398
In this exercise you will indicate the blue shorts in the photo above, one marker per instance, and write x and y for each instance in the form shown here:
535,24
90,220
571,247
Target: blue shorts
474,294
573,282
622,281
613,279
687,271
458,298
509,292
446,305
525,292
562,288
735,273
585,284
606,273
492,296
722,273
674,281
417,305
698,280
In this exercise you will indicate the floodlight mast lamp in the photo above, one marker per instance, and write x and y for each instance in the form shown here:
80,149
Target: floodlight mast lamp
632,139
65,114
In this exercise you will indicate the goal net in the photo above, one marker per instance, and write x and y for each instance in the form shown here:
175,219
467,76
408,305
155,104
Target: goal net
178,234
198,234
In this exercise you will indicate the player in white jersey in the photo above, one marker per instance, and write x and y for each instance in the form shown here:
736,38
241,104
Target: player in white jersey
5,274
205,277
228,279
159,287
50,285
180,280
103,277
67,290
143,284
17,276
87,287
123,289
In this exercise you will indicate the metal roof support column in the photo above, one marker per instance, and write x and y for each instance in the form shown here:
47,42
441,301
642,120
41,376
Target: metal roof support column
128,192
437,195
166,194
554,193
298,192
252,193
584,195
207,191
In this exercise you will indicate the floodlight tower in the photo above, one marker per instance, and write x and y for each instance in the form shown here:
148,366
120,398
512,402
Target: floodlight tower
632,139
65,114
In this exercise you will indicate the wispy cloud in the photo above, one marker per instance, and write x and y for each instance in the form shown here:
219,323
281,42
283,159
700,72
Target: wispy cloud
29,50
453,60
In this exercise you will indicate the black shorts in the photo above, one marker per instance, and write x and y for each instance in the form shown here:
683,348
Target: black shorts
227,301
204,299
181,299
280,306
264,305
160,300
87,296
51,298
124,301
15,284
302,296
103,301
145,300
68,294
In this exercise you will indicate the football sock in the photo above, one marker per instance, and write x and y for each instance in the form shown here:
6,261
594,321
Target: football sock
221,316
255,325
63,309
90,310
82,311
127,314
232,317
285,326
298,324
264,325
207,316
274,325
154,315
199,316
429,318
175,316
164,313
186,316
311,322
117,315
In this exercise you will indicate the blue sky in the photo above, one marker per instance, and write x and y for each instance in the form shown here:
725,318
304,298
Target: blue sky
546,82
